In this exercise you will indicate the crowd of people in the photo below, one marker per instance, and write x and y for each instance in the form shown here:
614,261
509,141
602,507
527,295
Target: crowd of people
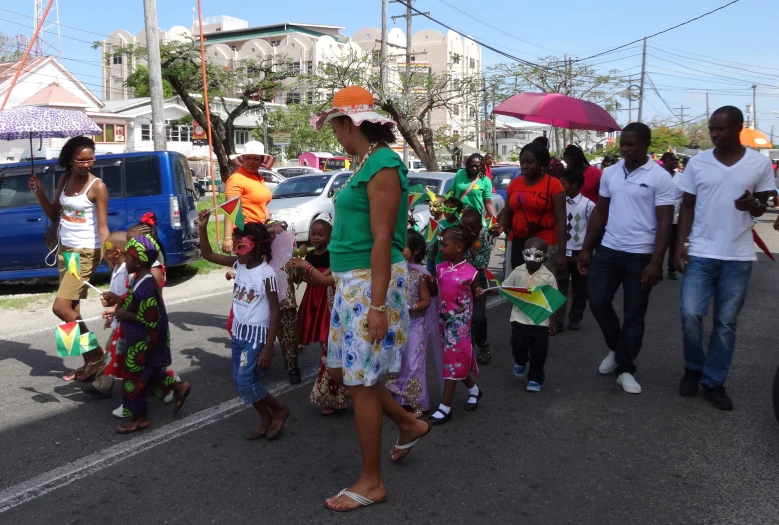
379,298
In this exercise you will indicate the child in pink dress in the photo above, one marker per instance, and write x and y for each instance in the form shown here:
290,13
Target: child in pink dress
457,285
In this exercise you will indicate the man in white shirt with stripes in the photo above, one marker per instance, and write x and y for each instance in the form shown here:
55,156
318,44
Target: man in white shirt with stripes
637,197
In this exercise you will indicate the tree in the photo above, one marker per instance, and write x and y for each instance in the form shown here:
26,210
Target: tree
248,80
407,99
9,50
294,119
139,82
552,75
663,138
450,142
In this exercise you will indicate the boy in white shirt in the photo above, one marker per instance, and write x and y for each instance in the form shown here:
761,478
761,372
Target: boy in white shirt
578,211
529,342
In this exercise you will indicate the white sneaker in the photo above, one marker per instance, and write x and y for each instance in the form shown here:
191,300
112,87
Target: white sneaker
608,365
168,397
119,412
628,383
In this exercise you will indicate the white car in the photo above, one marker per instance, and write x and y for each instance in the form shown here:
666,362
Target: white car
298,200
271,178
294,171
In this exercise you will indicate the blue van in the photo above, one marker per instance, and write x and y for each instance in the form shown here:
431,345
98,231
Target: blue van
137,183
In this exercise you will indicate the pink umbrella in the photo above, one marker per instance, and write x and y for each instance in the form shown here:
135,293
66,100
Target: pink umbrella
557,110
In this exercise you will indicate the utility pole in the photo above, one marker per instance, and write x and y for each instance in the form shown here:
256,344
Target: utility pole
754,104
681,114
383,65
155,75
707,107
641,91
494,126
407,84
486,114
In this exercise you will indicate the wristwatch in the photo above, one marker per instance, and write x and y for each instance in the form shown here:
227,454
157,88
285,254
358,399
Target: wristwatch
381,309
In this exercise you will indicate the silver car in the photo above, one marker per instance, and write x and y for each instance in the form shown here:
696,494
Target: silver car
439,183
298,200
296,171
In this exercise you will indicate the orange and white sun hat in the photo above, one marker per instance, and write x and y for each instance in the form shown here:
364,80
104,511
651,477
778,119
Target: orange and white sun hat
354,102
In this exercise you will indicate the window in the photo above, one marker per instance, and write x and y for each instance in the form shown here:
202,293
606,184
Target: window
293,98
503,150
413,58
473,112
309,67
145,131
309,97
14,192
295,68
456,110
143,176
376,57
109,133
456,132
455,59
600,134
275,43
473,63
179,133
110,172
339,181
116,59
242,136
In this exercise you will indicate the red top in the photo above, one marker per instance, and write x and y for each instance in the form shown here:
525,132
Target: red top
488,171
533,204
592,177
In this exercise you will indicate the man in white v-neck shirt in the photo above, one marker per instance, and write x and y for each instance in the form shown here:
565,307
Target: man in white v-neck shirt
637,196
723,189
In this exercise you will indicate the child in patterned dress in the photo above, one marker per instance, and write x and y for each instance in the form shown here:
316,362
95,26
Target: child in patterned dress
457,285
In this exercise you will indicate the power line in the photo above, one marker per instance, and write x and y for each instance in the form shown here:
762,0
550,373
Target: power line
63,36
663,31
658,93
713,58
710,74
61,25
696,60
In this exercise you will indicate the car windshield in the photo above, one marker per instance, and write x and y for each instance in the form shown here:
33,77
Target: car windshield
432,184
303,186
502,178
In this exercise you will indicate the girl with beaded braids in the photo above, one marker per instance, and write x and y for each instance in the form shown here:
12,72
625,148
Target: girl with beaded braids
256,319
147,338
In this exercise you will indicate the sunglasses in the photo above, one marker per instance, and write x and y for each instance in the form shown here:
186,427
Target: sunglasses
85,161
533,255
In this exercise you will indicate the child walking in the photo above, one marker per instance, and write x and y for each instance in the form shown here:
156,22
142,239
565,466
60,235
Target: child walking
578,212
478,256
457,286
410,384
256,319
314,317
451,208
529,342
437,213
147,337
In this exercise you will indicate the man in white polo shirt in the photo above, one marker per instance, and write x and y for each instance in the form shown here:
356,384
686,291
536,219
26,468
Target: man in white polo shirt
637,196
723,189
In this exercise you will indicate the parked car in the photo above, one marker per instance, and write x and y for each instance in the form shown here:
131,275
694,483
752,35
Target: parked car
294,171
200,188
298,200
272,178
439,183
137,183
502,177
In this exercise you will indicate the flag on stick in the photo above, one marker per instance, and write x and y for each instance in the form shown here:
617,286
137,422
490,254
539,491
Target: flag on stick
234,210
416,195
490,221
72,262
491,277
538,303
431,232
67,337
88,341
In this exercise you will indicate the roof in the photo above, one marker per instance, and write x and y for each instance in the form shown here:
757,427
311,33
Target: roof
271,30
56,96
8,70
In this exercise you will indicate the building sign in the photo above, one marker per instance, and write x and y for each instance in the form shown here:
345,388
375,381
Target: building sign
198,133
282,138
119,137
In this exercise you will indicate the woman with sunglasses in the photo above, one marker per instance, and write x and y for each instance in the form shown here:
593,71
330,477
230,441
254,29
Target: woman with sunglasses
81,209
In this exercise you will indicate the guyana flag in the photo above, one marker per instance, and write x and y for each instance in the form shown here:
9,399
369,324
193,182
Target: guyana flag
490,221
431,231
537,303
72,262
68,341
88,341
233,209
416,195
491,277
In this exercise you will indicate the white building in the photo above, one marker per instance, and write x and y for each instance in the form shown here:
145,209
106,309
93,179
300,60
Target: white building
45,82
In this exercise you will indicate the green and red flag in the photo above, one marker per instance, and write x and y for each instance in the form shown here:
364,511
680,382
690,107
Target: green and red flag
491,277
233,209
72,262
416,195
490,221
431,232
537,303
67,336
88,341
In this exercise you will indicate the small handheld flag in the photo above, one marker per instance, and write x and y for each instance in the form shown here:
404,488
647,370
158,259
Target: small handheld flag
72,262
490,221
234,210
67,337
431,232
416,195
491,277
538,303
88,341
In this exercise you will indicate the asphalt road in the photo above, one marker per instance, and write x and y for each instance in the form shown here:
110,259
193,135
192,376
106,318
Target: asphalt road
580,452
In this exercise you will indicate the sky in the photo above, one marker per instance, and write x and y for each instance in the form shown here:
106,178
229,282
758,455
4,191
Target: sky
724,53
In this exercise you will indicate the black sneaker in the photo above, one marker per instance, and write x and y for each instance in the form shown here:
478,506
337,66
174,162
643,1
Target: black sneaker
672,276
574,325
294,376
484,356
718,397
688,387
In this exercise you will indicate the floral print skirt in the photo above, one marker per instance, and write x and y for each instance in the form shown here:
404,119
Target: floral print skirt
349,347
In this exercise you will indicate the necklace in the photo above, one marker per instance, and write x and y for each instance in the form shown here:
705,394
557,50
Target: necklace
356,169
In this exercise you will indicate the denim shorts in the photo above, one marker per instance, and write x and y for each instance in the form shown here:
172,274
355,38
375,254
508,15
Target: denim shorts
246,370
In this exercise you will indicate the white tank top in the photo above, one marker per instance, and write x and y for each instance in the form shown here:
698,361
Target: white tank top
78,225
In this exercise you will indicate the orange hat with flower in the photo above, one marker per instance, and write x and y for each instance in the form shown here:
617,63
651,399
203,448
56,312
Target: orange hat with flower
354,102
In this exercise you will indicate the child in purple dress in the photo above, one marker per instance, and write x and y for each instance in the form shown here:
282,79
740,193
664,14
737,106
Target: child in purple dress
457,285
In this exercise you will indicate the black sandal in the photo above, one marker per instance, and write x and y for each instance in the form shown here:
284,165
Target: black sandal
470,407
484,356
435,421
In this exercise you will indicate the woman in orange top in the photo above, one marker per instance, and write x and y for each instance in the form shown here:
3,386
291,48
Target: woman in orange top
248,184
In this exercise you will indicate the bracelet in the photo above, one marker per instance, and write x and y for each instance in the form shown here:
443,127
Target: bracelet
380,309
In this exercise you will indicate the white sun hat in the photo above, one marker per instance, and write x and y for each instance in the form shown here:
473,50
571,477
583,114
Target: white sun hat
254,147
354,102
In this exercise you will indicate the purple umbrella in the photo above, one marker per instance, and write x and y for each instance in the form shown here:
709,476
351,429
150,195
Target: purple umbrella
557,110
35,122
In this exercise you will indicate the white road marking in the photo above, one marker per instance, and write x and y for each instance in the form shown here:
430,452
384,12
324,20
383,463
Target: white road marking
93,463
67,474
49,329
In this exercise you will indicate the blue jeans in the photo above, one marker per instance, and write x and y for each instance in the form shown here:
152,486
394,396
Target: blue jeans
246,370
610,269
727,281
